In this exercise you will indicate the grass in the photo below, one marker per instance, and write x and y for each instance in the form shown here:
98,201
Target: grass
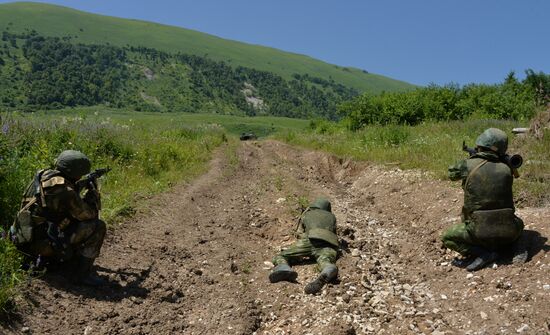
431,147
88,28
234,125
11,274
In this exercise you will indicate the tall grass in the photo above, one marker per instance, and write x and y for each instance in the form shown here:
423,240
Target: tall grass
432,147
11,274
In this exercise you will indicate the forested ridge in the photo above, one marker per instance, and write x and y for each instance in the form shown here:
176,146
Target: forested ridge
38,72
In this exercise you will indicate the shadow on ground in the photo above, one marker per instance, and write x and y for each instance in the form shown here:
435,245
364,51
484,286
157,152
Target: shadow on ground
120,283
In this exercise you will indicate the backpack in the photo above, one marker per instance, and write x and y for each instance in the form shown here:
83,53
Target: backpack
23,229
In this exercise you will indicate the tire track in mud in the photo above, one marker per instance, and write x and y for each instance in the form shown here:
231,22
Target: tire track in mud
194,262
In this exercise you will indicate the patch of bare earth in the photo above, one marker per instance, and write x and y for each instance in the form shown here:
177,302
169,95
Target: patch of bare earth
195,261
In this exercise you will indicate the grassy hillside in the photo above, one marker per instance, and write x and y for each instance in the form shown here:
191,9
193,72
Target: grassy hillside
53,20
38,72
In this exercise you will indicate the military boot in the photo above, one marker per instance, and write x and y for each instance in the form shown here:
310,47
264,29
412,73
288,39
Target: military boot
85,275
282,272
462,262
521,249
328,274
484,257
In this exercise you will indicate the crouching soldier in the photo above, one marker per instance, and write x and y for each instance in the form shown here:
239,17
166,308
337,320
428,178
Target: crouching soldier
317,228
55,224
489,224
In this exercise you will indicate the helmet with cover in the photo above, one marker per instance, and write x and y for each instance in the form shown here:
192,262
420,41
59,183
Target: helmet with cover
321,203
493,139
73,164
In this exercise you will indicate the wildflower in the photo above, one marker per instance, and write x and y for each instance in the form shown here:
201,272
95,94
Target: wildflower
5,128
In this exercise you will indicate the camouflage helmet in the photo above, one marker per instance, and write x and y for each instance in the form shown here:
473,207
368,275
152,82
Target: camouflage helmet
321,203
74,164
493,139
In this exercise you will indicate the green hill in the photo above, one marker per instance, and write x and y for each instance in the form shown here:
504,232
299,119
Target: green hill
50,20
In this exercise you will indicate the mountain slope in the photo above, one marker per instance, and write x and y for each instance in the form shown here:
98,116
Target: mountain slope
53,20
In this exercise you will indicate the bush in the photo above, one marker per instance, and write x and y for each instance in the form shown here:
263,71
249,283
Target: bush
511,100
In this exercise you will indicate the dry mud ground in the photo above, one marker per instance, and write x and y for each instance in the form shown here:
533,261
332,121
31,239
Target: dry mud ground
194,262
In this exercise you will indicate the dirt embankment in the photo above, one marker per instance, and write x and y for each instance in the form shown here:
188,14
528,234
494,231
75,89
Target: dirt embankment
195,261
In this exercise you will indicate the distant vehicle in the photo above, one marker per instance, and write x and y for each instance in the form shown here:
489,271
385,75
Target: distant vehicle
248,136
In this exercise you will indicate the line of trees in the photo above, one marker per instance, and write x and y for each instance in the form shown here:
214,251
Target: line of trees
512,99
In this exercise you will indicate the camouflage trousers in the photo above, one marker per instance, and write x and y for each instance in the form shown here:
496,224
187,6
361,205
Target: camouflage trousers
323,252
84,238
460,238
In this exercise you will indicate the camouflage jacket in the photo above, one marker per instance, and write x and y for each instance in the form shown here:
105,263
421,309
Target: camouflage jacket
58,199
320,224
486,181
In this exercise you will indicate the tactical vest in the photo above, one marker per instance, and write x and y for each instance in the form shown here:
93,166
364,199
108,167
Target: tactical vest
489,203
487,187
321,225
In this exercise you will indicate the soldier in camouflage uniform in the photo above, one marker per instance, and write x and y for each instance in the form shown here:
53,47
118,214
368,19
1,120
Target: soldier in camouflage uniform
489,224
318,240
56,224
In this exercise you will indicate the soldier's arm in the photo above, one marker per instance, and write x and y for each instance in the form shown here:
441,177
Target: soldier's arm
78,208
458,170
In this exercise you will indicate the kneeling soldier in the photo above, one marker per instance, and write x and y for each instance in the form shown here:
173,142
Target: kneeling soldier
488,214
56,224
318,239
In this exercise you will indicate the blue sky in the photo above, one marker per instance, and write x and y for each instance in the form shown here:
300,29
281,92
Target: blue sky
418,41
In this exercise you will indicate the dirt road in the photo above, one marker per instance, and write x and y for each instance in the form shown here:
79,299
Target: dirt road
194,262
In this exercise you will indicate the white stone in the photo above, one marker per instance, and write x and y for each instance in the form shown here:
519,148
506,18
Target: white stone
523,328
483,315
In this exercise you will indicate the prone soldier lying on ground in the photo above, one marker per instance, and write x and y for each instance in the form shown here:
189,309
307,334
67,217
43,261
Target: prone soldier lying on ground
489,224
317,228
55,224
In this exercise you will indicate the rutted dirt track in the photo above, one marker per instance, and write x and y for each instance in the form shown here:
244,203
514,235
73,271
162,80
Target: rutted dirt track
194,262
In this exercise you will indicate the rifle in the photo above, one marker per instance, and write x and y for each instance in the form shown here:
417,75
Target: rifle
90,180
513,161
